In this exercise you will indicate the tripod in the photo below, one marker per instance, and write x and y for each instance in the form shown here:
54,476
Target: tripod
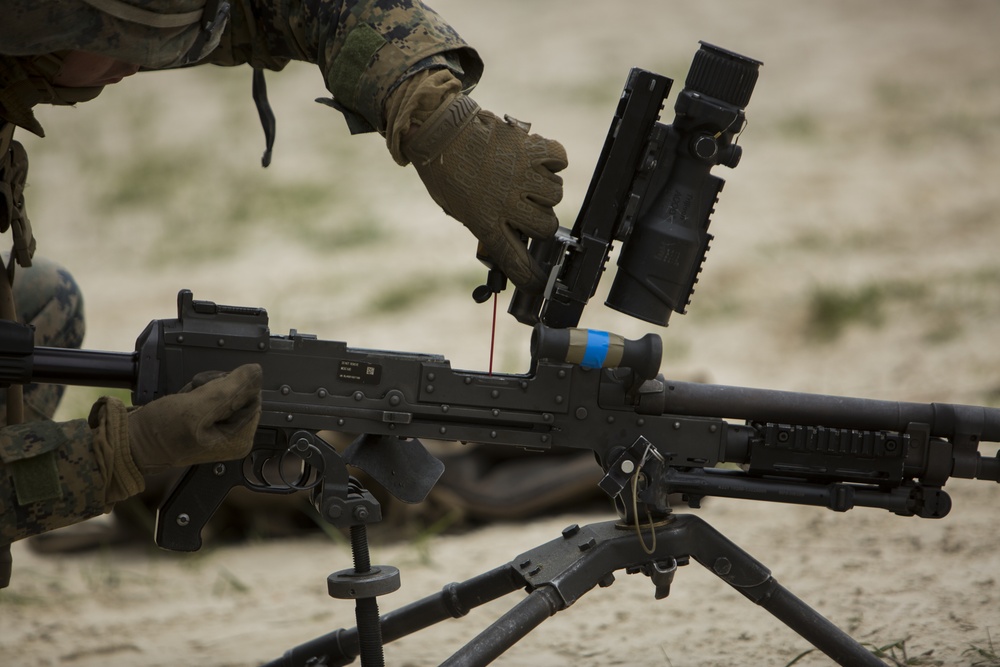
559,572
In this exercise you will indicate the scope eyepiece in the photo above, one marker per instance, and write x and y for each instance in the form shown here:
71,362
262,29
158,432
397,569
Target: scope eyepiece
591,348
725,75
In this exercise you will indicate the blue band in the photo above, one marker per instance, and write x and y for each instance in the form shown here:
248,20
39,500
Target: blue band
597,349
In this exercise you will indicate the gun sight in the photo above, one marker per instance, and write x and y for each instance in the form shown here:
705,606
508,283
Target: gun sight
653,191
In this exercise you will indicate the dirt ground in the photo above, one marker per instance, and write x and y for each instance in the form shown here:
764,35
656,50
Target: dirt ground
855,253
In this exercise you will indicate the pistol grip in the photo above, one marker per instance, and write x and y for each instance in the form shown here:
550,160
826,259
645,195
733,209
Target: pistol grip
192,502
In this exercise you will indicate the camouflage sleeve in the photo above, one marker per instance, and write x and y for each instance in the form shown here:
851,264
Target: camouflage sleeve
364,48
51,475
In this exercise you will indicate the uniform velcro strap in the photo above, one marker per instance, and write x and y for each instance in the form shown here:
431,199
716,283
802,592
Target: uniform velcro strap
36,479
433,137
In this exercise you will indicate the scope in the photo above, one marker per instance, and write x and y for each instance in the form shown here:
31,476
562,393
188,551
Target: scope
663,249
652,191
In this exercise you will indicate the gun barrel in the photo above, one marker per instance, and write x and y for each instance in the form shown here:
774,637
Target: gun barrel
89,368
945,420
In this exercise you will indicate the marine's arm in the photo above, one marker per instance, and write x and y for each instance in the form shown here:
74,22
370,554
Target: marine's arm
54,474
400,69
365,49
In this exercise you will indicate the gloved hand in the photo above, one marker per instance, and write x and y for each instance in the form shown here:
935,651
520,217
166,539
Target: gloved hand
212,419
490,174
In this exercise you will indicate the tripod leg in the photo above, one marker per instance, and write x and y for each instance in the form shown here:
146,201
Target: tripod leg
507,630
747,575
816,628
341,647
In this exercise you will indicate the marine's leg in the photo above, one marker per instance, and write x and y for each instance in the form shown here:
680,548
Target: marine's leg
48,298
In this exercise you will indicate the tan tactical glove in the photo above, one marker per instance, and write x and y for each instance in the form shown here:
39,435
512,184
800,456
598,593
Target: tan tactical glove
489,174
212,419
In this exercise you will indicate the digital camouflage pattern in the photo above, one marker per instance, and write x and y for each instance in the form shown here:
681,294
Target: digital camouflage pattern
364,48
47,297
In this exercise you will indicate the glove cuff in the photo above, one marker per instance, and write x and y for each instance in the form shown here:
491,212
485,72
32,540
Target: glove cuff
109,419
437,132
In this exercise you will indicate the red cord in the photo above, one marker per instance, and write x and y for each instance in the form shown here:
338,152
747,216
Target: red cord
493,331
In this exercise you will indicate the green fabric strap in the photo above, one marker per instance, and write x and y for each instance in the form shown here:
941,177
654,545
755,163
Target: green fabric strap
36,478
353,61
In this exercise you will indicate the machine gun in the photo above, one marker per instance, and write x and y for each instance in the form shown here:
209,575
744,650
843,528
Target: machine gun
654,438
586,390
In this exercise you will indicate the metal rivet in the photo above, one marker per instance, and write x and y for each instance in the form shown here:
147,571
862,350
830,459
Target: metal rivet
183,519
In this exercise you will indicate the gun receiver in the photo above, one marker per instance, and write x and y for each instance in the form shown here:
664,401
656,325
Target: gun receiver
804,448
653,191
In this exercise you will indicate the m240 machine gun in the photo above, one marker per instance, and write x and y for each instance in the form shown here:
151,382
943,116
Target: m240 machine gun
654,438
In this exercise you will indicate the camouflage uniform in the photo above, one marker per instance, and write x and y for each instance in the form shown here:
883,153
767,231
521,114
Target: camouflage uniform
47,298
364,48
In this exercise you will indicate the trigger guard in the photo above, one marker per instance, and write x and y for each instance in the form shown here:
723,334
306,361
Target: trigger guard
320,471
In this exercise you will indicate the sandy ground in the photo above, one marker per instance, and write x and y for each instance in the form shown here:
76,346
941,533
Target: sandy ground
868,182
